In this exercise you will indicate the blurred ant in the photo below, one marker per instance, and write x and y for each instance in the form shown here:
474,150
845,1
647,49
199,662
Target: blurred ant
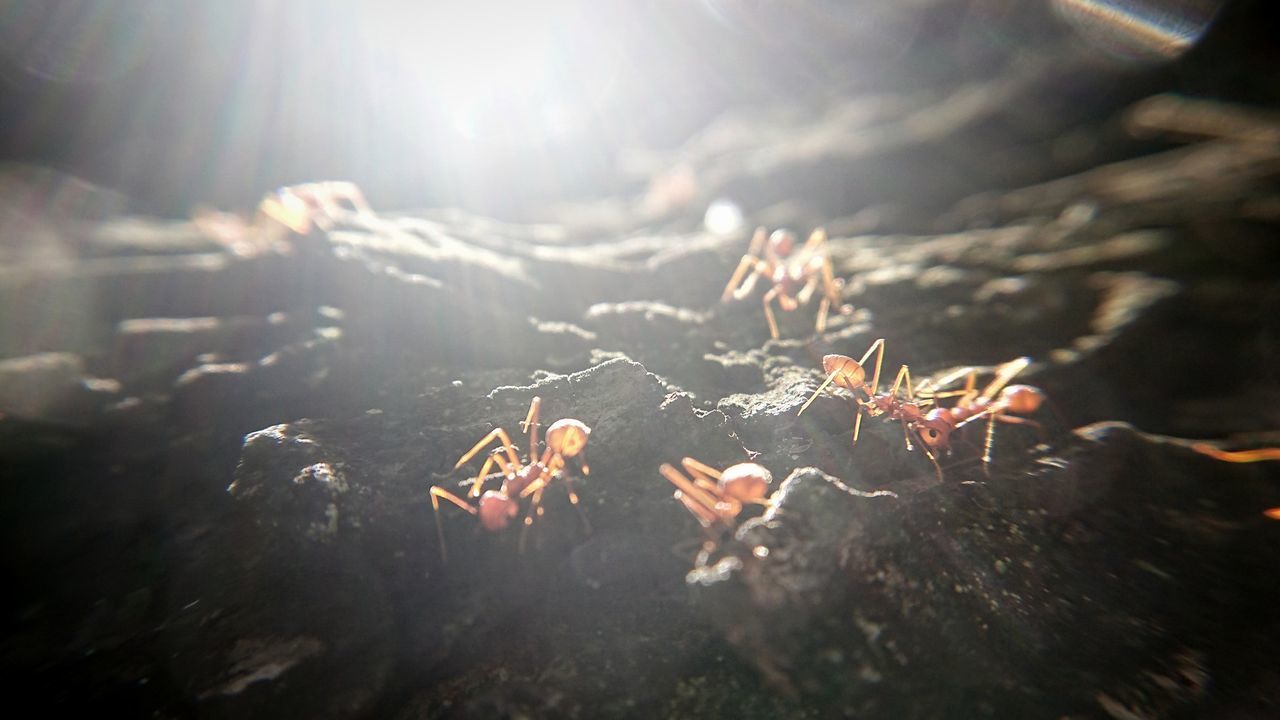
291,210
302,207
934,427
794,272
998,402
565,439
715,497
1237,456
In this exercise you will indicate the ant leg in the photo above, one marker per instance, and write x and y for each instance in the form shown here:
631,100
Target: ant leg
694,468
499,434
933,459
768,312
758,239
816,239
705,518
806,293
438,492
554,469
991,409
761,270
535,509
906,436
991,433
937,468
1017,420
478,483
738,288
903,374
820,325
573,498
1006,372
970,388
987,445
530,425
929,384
732,289
857,423
697,500
704,476
550,458
924,447
1237,456
877,346
535,488
787,302
831,288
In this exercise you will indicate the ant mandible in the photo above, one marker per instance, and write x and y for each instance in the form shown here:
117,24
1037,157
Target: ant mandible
934,427
565,439
795,273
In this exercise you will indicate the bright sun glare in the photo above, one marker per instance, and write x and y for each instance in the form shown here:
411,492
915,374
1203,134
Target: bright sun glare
488,71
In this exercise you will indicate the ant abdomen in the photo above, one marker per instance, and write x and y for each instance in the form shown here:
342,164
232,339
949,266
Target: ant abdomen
1022,399
497,510
844,371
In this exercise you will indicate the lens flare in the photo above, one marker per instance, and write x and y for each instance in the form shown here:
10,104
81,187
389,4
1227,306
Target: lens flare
1141,29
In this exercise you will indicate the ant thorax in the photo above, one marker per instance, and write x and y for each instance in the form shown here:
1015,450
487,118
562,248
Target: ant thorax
878,405
894,406
790,277
519,481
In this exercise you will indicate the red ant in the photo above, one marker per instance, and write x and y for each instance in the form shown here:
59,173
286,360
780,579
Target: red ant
795,274
565,439
302,207
934,427
716,497
292,210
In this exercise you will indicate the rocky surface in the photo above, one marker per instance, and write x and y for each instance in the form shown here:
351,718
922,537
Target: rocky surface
217,452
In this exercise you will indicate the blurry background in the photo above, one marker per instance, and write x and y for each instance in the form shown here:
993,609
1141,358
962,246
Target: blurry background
501,107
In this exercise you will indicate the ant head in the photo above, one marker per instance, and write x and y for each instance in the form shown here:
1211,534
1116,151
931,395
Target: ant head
567,437
496,510
935,431
782,242
845,371
1022,399
745,481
